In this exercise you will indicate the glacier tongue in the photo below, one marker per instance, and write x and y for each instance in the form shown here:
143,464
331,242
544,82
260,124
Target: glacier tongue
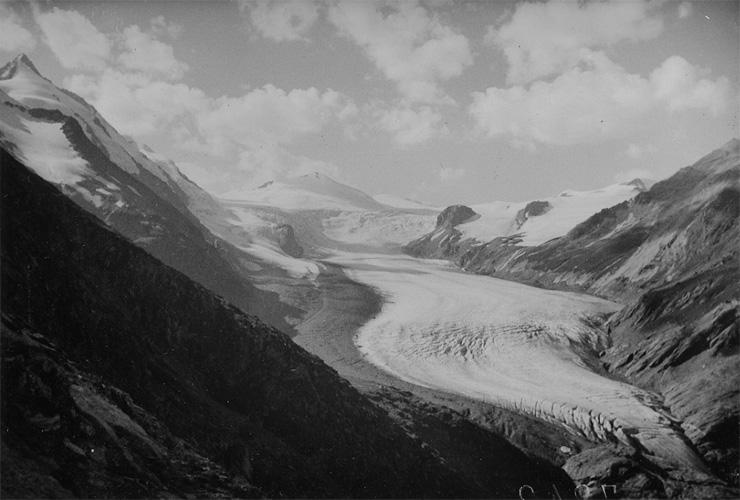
512,345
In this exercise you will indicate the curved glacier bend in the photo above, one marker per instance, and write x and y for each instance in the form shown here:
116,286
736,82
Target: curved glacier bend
511,345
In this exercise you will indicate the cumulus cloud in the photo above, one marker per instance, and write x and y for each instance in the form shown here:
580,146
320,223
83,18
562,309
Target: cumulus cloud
140,106
283,19
160,26
406,42
637,152
685,9
449,174
144,52
681,86
75,41
14,37
594,102
409,126
543,39
270,116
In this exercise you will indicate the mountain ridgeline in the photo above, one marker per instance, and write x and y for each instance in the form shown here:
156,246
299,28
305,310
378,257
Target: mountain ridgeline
671,254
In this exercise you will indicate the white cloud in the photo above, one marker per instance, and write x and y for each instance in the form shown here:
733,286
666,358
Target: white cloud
637,152
634,151
543,39
449,174
139,106
685,9
160,27
13,36
409,126
595,103
143,52
282,19
75,41
269,116
681,86
409,45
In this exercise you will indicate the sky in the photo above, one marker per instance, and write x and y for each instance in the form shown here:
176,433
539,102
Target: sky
439,101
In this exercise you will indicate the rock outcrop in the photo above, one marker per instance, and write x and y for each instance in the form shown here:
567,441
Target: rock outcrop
533,209
454,216
287,241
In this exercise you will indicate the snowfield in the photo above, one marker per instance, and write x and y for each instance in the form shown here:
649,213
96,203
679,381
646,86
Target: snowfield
45,149
509,344
568,209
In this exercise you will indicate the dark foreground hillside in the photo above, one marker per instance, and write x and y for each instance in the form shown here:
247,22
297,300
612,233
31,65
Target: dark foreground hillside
123,378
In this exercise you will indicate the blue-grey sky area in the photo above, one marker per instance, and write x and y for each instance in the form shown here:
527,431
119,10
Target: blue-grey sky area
439,101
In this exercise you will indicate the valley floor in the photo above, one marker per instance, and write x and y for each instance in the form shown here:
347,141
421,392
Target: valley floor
529,350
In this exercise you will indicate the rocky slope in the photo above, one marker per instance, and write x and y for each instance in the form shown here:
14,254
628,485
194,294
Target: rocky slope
670,254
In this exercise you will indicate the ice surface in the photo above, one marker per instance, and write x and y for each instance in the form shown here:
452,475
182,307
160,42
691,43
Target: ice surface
509,344
378,229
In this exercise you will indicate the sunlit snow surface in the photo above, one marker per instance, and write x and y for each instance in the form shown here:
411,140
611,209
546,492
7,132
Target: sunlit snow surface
505,343
569,209
45,149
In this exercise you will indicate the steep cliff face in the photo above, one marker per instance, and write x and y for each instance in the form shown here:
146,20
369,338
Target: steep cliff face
219,379
671,255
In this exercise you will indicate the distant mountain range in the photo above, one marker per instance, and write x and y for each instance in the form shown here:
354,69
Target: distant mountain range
134,365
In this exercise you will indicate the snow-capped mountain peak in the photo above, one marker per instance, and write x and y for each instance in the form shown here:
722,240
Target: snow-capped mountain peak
20,63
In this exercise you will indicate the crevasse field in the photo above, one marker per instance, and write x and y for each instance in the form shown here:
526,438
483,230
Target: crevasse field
505,343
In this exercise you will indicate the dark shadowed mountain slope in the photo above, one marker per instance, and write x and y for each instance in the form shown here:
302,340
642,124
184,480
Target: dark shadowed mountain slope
671,255
121,376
